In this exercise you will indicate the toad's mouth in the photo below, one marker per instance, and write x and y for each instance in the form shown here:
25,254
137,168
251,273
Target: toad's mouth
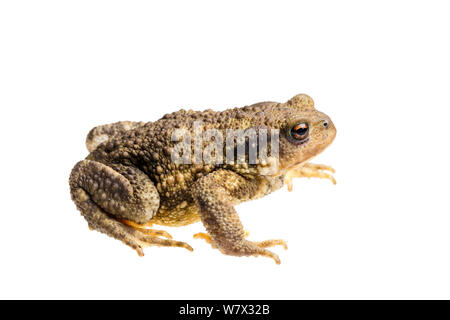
318,150
302,142
299,163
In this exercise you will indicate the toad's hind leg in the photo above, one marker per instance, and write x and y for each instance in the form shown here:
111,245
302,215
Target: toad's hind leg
105,194
102,133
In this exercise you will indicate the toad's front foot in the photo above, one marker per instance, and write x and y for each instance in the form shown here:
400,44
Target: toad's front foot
208,239
309,170
246,248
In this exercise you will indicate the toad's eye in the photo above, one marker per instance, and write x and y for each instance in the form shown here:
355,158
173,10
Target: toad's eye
300,131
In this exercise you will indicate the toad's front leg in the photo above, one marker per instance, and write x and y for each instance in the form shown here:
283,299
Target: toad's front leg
214,195
309,170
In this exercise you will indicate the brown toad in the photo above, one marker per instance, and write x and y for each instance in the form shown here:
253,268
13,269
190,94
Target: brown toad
133,176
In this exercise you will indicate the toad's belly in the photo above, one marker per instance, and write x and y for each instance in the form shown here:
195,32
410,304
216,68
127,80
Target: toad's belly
178,216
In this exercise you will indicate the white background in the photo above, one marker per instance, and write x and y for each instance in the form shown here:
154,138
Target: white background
379,69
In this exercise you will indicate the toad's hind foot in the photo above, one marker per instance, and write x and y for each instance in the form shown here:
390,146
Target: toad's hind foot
100,221
149,237
146,241
106,194
309,170
142,228
206,237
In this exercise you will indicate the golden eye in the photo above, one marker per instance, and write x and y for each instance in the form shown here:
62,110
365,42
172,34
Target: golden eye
300,131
